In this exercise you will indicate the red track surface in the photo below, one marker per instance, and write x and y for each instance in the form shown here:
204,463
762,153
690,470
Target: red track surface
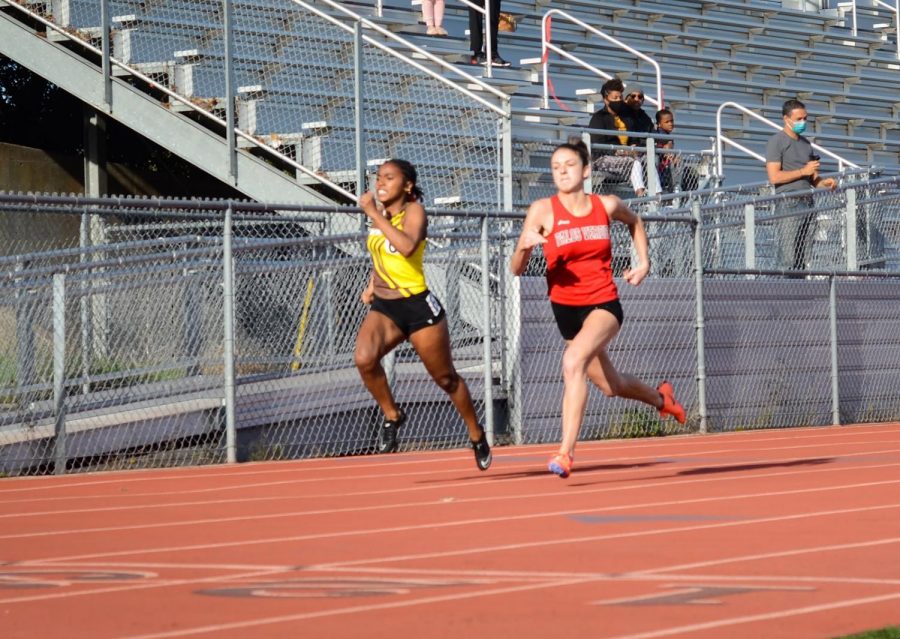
792,533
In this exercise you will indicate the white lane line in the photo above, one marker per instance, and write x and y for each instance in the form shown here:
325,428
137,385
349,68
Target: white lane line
354,610
447,485
107,565
592,538
441,502
492,520
661,571
506,575
487,480
484,549
506,590
781,614
118,478
164,583
641,576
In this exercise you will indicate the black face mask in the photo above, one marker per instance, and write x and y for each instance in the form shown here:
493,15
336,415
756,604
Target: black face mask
618,107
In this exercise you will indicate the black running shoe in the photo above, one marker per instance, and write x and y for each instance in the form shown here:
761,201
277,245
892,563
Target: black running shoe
483,455
479,58
387,434
497,61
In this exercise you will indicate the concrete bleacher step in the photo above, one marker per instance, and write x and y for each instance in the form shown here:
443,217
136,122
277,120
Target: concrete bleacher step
723,48
636,29
297,89
573,83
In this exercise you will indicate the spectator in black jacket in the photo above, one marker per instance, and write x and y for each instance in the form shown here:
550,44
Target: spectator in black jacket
640,122
633,96
615,165
611,116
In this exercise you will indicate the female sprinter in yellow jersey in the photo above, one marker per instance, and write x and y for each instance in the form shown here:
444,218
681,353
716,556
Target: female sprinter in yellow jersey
402,307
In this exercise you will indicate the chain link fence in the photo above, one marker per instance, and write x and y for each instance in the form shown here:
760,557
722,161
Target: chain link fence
162,332
826,352
855,226
119,338
619,170
138,373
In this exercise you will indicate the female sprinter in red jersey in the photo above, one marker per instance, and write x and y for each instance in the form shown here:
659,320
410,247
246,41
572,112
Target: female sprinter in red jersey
573,227
402,307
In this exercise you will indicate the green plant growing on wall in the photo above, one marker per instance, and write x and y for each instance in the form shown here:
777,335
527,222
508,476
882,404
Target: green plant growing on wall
265,451
637,422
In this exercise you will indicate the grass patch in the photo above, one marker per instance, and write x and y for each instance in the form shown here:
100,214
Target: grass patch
7,372
890,632
637,422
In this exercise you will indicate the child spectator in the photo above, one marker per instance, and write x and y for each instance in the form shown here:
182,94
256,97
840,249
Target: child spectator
665,124
433,14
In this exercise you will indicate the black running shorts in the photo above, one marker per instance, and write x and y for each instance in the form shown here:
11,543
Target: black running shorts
570,319
411,313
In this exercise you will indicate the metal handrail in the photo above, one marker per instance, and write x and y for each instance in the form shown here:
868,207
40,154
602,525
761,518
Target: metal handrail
485,11
504,112
720,138
452,68
547,45
896,10
852,3
179,98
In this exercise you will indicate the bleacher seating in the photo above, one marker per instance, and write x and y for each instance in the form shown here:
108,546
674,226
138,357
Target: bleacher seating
295,76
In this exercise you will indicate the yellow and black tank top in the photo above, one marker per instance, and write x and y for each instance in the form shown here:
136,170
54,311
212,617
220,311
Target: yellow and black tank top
396,276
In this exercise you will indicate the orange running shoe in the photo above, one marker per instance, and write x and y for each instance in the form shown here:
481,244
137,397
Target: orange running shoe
670,404
561,465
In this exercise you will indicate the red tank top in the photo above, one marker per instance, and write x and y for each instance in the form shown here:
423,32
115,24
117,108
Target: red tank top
579,256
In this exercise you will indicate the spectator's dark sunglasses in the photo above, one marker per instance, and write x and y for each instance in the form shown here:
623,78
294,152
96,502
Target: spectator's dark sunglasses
636,96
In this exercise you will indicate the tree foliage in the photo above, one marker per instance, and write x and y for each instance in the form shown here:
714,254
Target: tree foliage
35,113
38,114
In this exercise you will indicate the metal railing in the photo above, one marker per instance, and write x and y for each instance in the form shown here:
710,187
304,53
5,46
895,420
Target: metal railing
485,12
230,275
446,66
444,75
692,176
896,10
852,5
108,61
547,46
503,110
721,138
